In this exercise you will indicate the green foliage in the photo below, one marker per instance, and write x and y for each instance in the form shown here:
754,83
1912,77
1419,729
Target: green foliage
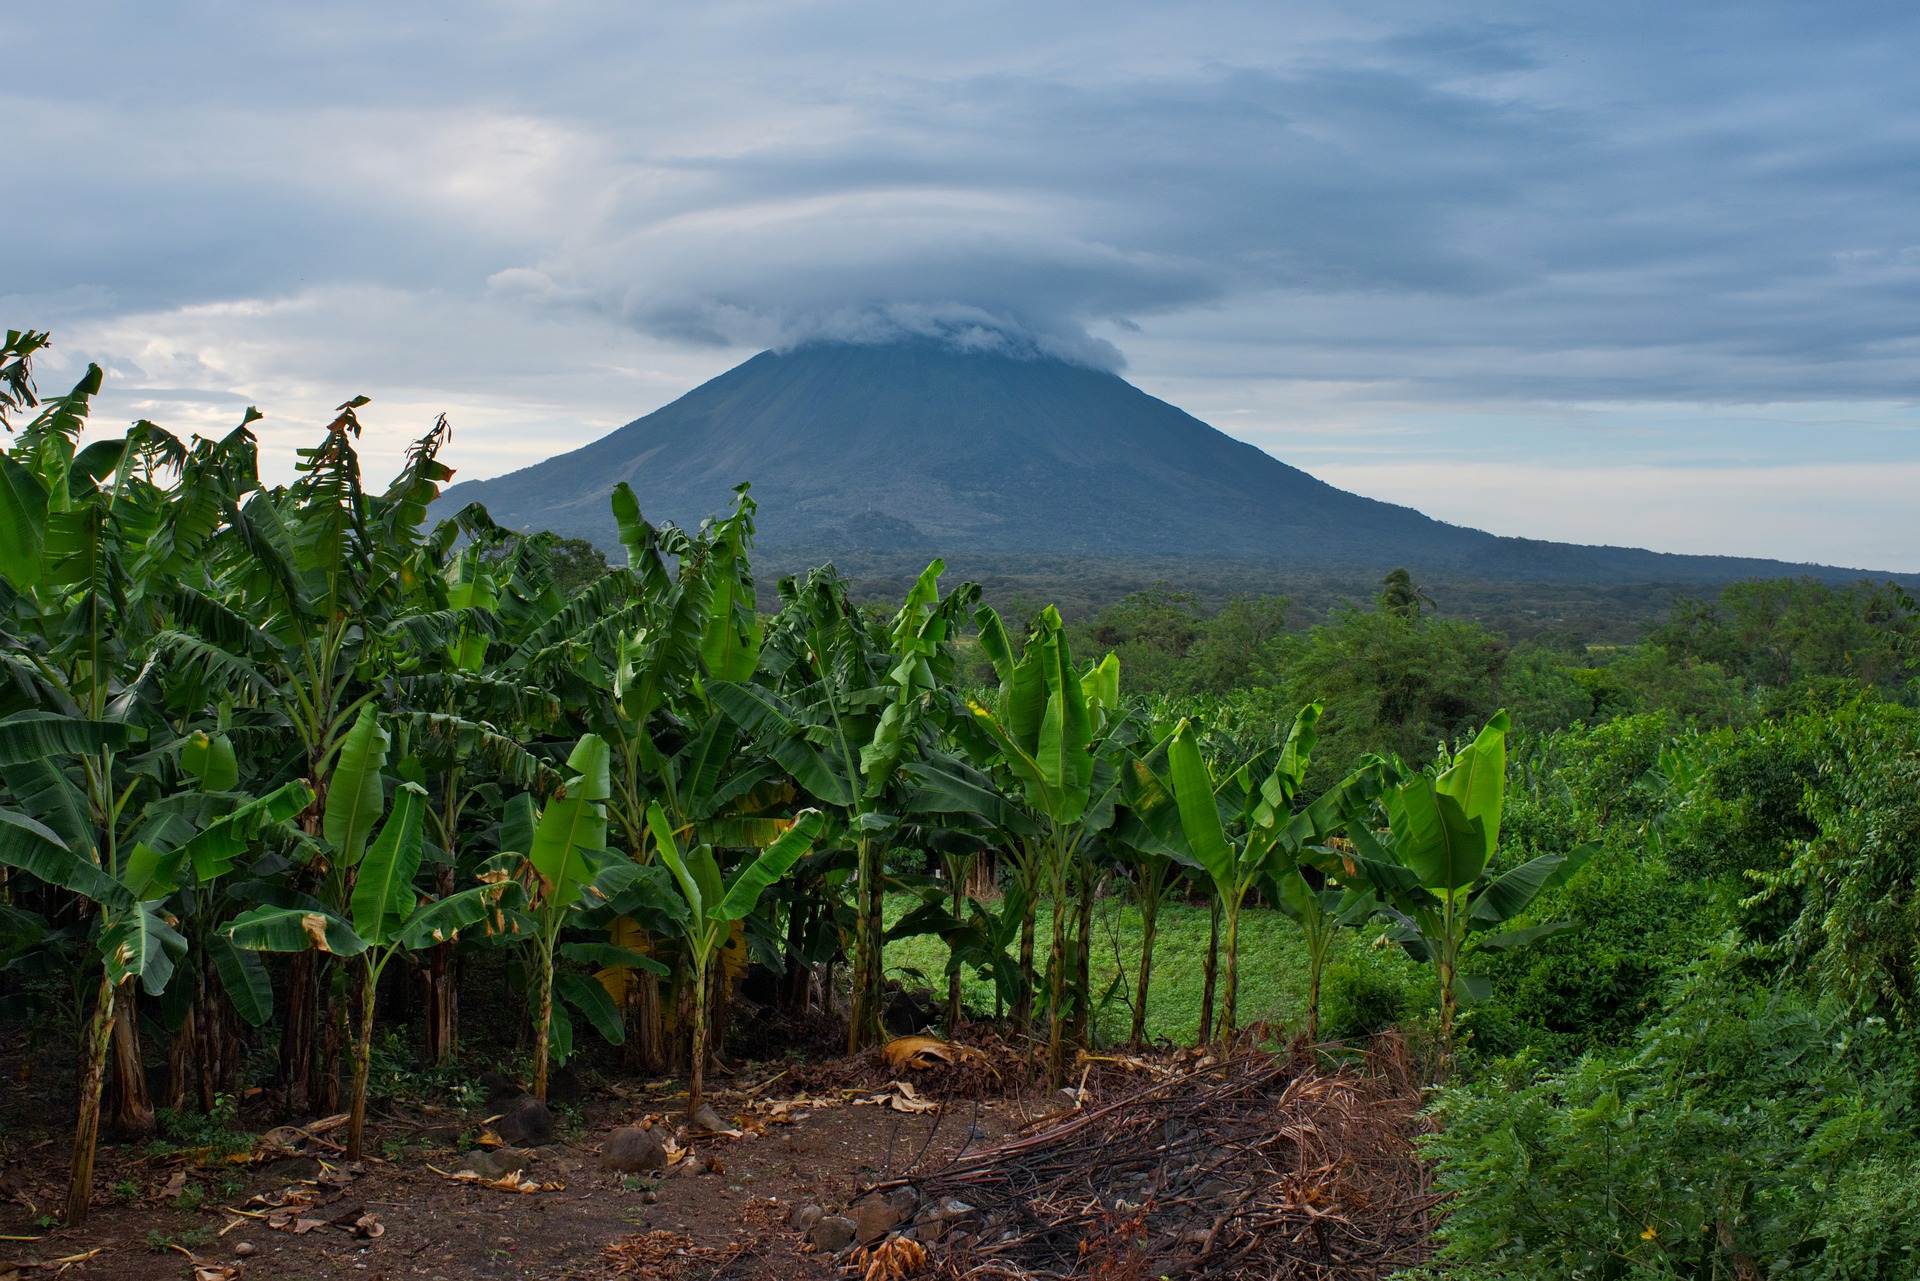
1856,884
1707,1146
1782,631
1392,684
1368,990
1637,925
1869,1221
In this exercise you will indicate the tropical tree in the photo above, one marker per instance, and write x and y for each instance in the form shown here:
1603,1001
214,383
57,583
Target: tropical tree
845,709
96,547
1431,868
387,915
1261,812
1053,732
713,906
563,862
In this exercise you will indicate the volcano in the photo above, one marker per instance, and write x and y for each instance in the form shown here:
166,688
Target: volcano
920,448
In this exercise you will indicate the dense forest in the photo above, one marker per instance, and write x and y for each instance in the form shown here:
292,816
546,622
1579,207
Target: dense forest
288,769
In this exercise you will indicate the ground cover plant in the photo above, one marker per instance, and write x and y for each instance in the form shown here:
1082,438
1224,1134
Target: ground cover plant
309,802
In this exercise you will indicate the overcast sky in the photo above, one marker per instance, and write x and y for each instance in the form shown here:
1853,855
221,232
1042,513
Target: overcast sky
1643,273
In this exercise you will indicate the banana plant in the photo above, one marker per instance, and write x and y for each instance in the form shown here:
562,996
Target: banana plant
1321,912
562,860
1261,811
96,545
1430,869
713,906
386,917
843,711
1050,731
126,881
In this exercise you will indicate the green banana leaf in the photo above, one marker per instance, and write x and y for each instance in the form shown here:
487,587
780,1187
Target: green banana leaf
32,736
355,796
138,942
294,929
243,978
1199,813
743,895
37,849
383,896
1434,837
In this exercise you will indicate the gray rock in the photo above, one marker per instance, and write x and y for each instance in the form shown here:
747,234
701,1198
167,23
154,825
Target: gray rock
705,1118
832,1233
292,1169
804,1217
633,1150
904,1202
495,1163
526,1123
949,1209
873,1218
948,1215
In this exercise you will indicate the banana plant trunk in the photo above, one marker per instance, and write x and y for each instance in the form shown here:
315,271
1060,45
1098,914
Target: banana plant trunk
1208,975
1057,974
1319,944
86,1128
297,1037
443,993
1023,1003
864,1028
362,1064
1082,1021
331,1045
697,1053
132,1102
1230,998
542,1019
958,870
181,1055
646,1033
797,995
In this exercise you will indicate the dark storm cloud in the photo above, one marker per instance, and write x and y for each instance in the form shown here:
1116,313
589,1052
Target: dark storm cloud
1627,201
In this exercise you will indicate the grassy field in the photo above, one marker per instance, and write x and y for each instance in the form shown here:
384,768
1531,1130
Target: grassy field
1367,985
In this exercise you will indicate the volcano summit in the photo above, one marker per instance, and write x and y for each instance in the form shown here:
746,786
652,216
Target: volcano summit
920,448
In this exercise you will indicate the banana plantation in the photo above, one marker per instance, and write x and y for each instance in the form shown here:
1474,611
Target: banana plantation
271,749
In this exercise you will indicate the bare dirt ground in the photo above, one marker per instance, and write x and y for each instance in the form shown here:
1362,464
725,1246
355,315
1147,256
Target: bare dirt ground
1254,1160
720,1211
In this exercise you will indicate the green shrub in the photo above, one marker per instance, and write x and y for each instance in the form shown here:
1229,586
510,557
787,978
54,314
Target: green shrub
1368,990
1869,1229
1636,927
1706,1148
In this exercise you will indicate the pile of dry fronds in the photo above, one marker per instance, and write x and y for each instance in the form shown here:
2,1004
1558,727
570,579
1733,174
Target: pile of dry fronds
1257,1166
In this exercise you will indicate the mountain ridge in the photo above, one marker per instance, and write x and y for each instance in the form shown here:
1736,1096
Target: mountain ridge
917,447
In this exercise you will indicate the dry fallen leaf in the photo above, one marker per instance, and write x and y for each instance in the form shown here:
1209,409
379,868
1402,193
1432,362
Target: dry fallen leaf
511,1181
922,1052
798,1108
891,1260
901,1097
